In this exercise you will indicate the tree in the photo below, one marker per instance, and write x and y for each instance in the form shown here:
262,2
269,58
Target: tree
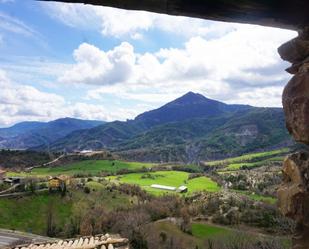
50,227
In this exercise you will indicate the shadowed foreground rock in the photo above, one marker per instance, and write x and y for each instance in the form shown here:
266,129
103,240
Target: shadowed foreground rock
296,107
293,194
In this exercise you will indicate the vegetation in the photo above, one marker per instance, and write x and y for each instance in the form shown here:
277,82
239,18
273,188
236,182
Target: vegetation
168,178
19,159
29,213
189,129
89,167
258,197
206,231
237,162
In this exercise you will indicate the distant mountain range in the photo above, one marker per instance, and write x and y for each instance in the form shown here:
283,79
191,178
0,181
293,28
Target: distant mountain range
189,129
31,134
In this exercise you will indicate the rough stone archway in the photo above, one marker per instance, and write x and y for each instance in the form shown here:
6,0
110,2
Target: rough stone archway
294,191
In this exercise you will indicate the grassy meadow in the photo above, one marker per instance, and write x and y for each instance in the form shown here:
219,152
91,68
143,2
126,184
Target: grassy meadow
169,178
237,162
29,213
204,234
89,167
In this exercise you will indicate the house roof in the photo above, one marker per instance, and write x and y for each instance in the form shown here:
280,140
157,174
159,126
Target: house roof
99,241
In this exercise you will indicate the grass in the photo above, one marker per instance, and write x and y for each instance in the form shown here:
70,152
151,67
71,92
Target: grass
274,154
29,213
237,166
169,178
257,197
202,232
91,167
173,231
206,231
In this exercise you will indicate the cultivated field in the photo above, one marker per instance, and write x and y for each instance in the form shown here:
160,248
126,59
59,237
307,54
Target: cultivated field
87,167
250,160
169,178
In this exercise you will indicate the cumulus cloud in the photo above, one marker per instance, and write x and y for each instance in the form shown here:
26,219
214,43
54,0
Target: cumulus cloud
244,60
24,103
118,22
97,67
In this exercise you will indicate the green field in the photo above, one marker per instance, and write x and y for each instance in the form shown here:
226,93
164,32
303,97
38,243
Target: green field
168,178
29,213
257,197
253,157
205,231
237,166
91,167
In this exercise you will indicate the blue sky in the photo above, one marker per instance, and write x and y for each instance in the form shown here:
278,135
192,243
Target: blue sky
91,62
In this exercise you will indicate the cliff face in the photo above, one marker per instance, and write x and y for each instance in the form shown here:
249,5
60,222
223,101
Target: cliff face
293,194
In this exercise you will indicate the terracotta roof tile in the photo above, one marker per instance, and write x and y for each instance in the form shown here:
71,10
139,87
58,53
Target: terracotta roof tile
99,241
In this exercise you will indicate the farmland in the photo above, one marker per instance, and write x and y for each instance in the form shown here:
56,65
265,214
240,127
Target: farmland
89,167
169,178
117,195
237,162
30,213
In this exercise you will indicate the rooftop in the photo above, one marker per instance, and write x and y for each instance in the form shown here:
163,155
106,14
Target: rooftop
99,241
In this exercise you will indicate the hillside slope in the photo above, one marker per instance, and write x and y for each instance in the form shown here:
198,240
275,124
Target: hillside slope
189,129
30,134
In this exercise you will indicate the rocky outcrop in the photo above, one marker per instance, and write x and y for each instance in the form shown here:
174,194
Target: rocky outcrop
295,101
277,13
295,98
293,194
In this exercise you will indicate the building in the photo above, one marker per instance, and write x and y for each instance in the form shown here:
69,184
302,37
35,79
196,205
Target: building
2,175
163,187
13,180
90,242
58,182
182,189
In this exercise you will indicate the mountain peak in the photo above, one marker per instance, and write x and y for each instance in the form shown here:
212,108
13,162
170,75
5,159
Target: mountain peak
190,105
190,98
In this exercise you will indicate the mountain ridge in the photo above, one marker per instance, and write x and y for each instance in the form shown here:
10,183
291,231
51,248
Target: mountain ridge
32,133
178,130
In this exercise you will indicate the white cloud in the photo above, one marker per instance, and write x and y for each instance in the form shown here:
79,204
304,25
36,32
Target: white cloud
14,25
243,61
263,97
7,1
118,22
24,103
97,67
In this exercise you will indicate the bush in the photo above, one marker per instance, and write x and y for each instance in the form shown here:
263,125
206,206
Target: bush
87,190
